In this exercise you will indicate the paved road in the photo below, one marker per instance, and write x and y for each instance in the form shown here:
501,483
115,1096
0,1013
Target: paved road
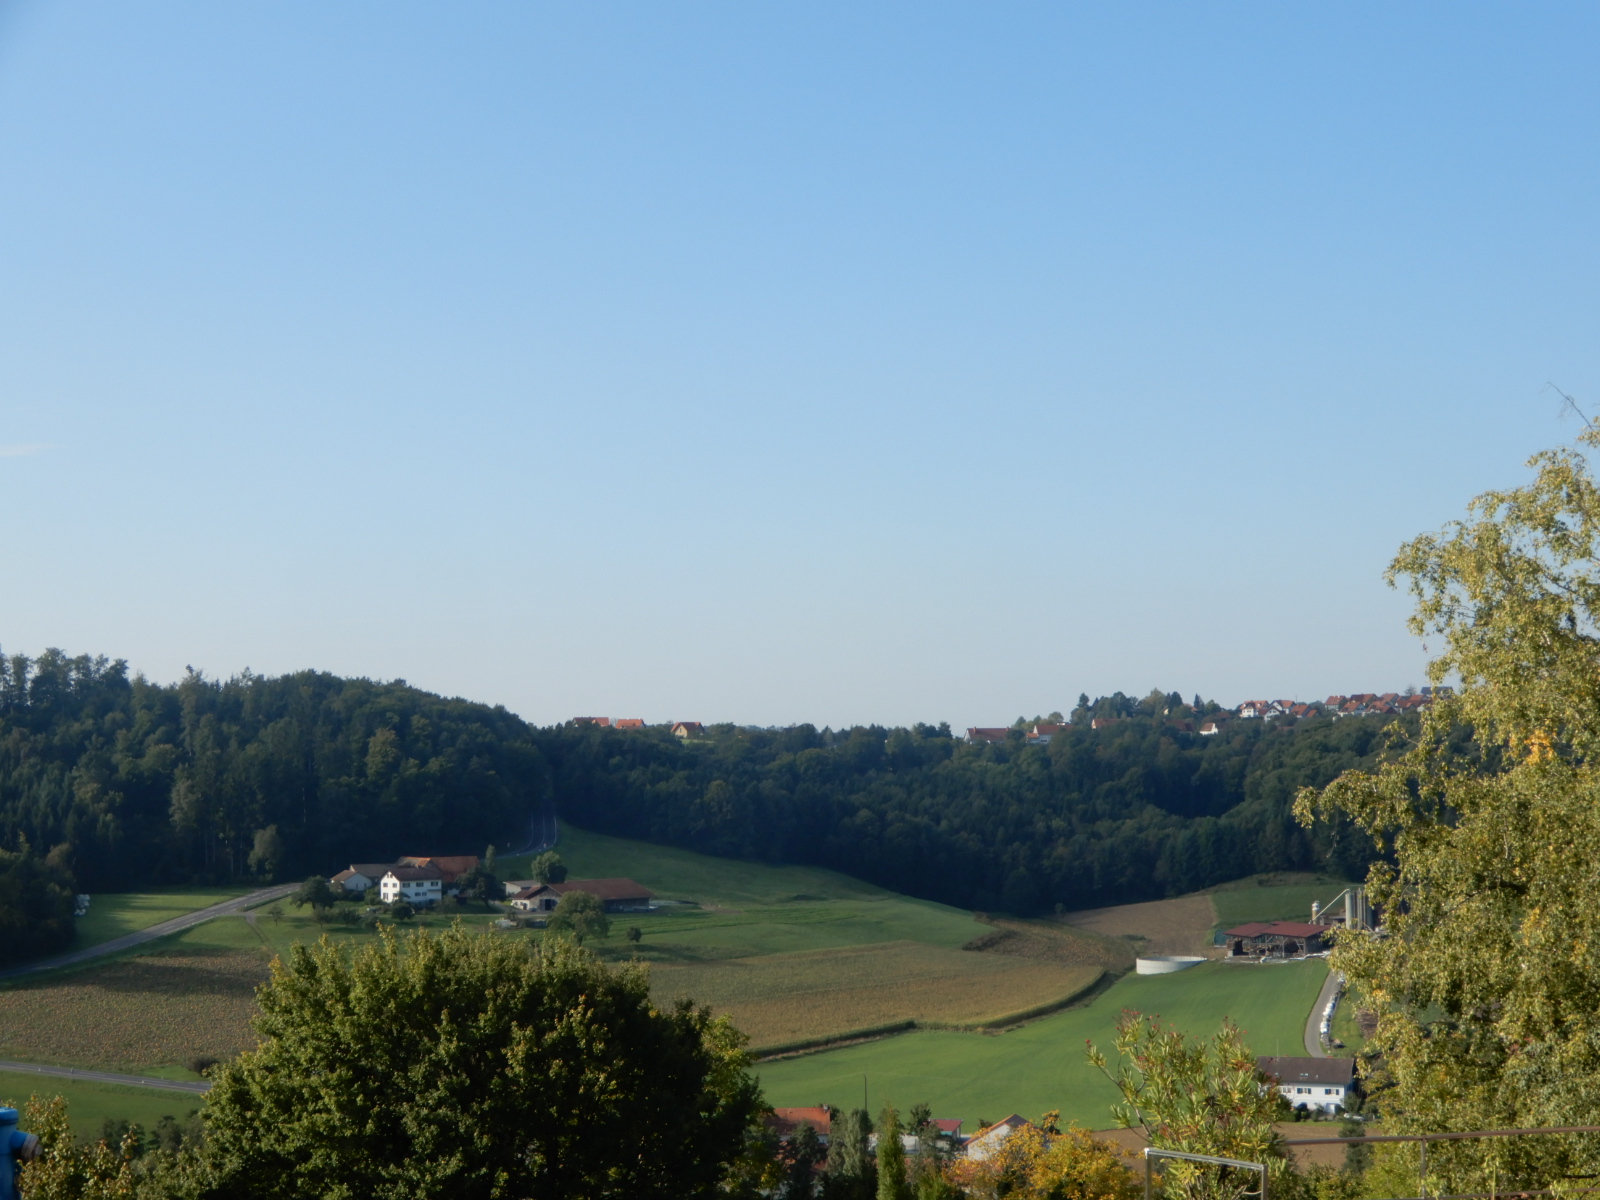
1314,1045
171,1085
129,940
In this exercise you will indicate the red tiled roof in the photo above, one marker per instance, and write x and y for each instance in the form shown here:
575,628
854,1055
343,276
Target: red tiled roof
979,734
1014,1121
786,1122
629,723
605,889
450,866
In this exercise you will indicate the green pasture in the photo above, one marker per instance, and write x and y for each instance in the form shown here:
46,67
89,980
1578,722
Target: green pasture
744,909
1041,1066
684,875
278,936
89,1104
113,914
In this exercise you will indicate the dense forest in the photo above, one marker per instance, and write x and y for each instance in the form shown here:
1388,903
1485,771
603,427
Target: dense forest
140,783
109,781
1140,809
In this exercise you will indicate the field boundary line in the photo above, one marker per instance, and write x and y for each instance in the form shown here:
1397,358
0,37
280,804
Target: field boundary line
148,1081
874,1032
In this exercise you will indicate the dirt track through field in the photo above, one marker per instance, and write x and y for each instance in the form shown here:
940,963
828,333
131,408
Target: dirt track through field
1181,926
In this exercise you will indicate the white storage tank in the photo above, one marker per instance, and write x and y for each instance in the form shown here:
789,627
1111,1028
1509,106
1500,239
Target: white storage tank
1165,964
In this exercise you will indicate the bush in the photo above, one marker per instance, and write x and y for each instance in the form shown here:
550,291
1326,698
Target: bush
201,1063
522,1070
581,915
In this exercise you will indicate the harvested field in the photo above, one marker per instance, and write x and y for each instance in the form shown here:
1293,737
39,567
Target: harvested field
782,998
1048,941
1179,926
138,1013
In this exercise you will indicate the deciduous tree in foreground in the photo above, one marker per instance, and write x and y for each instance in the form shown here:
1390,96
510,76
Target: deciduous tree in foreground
1032,1164
1488,985
467,1066
1204,1096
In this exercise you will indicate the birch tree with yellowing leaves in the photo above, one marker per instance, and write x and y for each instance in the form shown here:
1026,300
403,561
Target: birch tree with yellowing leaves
1487,981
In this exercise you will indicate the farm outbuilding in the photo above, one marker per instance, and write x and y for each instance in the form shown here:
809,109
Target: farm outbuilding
1275,939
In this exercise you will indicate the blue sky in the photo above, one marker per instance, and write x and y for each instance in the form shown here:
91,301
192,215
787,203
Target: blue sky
777,362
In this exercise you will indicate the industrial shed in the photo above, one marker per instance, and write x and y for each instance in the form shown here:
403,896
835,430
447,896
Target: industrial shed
1276,939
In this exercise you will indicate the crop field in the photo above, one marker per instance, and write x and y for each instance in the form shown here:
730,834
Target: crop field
1178,926
136,1013
113,914
1041,1065
781,999
89,1104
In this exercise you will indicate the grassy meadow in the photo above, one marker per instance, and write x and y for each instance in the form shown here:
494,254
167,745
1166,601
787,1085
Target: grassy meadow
113,914
89,1104
1041,1065
1272,898
798,953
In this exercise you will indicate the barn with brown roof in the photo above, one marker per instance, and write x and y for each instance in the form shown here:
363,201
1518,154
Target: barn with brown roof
618,895
1275,939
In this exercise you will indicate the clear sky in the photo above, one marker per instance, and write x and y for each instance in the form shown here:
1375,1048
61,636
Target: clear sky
777,362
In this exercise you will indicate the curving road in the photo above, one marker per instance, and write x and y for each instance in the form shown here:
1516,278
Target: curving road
150,1081
129,940
1314,1046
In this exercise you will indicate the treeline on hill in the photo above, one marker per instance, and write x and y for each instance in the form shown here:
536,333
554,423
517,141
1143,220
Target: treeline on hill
110,782
1137,810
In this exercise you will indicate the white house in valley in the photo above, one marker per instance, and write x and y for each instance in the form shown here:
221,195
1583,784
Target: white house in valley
360,877
1314,1083
415,885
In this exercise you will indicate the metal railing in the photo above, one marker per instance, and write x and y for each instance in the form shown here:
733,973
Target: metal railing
1425,1138
1152,1152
